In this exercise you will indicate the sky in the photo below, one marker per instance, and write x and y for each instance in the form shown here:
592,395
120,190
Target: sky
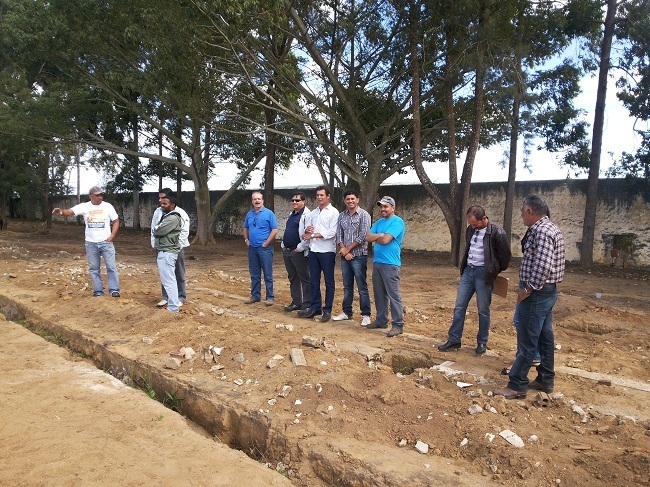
618,137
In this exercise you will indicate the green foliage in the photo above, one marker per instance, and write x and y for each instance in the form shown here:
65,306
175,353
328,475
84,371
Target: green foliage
634,86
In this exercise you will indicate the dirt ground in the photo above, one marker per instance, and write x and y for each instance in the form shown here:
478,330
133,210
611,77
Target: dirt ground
345,417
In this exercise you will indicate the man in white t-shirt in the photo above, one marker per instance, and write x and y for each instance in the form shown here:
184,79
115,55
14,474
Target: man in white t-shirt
184,241
102,224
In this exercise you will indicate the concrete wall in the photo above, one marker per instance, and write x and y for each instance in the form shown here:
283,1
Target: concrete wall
623,214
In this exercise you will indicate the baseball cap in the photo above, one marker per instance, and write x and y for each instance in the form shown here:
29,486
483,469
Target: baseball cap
96,190
386,199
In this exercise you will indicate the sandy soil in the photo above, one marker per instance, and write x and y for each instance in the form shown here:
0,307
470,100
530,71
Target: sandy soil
352,414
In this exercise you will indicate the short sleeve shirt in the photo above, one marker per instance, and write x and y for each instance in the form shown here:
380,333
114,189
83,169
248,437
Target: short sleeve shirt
260,225
98,219
389,253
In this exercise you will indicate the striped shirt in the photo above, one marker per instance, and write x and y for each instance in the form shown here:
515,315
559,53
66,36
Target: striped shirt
353,228
543,261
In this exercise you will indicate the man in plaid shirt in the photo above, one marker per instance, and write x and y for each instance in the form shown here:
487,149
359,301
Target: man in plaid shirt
353,224
542,267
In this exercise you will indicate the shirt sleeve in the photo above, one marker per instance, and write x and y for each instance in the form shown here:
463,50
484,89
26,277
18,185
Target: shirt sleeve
395,228
329,226
364,225
542,260
168,225
112,214
339,229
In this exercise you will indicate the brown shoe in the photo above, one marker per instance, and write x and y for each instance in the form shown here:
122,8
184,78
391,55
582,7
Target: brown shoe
538,386
251,301
509,393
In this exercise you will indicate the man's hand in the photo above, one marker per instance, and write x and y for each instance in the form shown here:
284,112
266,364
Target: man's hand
522,294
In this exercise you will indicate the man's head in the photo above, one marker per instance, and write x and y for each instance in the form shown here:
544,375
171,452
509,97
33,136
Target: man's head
351,200
298,201
386,206
323,196
168,203
257,199
96,195
533,208
476,217
163,193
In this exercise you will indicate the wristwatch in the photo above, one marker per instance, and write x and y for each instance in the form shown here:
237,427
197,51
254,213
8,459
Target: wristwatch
313,235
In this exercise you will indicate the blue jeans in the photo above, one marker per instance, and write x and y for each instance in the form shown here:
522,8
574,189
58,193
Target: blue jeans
515,321
322,262
352,270
472,281
167,270
260,259
535,329
180,278
386,288
95,251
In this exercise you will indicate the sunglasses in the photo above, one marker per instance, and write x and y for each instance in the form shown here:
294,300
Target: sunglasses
255,221
296,201
475,236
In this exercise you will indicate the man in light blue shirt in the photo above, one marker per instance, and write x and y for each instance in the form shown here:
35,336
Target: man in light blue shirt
387,234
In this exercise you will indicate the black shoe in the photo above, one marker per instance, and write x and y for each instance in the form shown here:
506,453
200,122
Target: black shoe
115,294
309,313
374,325
480,349
446,347
291,307
326,317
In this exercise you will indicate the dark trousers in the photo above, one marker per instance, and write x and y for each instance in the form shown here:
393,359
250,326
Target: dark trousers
322,262
297,265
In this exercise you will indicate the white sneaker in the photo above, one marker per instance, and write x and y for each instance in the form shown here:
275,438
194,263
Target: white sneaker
340,317
365,320
180,303
162,303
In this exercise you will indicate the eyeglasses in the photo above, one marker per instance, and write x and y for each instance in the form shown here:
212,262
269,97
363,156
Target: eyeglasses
296,201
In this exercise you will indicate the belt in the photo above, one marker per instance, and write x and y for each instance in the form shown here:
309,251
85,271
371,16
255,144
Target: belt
475,266
290,249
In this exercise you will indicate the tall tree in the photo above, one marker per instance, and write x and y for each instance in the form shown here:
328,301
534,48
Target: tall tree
635,85
589,224
98,56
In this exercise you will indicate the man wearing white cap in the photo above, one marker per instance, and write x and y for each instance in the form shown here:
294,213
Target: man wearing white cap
102,224
387,234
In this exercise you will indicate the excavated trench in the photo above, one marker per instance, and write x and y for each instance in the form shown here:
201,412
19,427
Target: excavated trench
224,416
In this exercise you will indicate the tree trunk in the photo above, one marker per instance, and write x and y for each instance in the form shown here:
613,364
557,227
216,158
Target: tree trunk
269,166
136,176
160,163
512,163
77,160
588,228
202,199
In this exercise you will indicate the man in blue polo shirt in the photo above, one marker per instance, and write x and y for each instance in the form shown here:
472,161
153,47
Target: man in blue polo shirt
387,234
260,228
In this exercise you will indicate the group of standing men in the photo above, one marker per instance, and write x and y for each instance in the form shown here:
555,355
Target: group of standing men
170,229
309,246
487,253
